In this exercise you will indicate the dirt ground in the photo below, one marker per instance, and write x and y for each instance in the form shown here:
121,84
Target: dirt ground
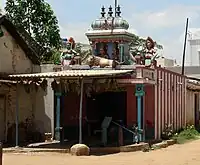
187,154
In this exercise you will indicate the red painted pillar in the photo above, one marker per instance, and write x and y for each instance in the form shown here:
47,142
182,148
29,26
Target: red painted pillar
131,106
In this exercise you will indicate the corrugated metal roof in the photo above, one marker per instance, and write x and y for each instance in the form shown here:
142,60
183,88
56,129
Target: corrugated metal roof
73,74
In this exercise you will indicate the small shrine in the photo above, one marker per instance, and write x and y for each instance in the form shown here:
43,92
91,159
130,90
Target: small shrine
110,37
113,96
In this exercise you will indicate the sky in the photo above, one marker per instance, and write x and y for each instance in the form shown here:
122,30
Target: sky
163,20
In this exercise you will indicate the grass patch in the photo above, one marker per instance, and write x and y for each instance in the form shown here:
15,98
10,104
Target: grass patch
187,134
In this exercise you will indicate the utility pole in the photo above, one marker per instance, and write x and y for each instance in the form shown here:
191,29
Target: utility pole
184,47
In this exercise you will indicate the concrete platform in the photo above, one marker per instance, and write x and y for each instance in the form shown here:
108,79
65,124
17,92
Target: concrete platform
28,150
93,150
128,148
99,150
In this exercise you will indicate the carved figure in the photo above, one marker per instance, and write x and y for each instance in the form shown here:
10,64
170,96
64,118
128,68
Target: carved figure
106,25
69,56
115,54
103,53
150,52
133,60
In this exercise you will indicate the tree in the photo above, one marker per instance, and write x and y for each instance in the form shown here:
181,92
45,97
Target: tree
55,58
39,21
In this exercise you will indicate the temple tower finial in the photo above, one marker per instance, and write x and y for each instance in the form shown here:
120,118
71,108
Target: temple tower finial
103,11
110,12
118,11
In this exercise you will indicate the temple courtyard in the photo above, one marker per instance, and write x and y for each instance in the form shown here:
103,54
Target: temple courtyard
188,153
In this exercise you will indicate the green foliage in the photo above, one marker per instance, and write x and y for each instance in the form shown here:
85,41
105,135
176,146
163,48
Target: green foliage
167,132
55,58
80,51
38,19
188,133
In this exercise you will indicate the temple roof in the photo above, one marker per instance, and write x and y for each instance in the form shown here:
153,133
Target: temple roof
110,22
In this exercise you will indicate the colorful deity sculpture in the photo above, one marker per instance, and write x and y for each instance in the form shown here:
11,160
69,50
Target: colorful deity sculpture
69,56
150,52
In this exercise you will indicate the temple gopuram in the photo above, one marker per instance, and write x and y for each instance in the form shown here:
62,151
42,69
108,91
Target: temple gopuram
110,38
112,96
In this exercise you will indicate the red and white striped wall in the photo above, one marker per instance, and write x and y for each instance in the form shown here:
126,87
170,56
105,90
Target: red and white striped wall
191,107
170,100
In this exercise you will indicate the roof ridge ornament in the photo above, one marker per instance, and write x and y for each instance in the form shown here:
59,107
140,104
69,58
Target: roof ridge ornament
110,12
118,12
103,12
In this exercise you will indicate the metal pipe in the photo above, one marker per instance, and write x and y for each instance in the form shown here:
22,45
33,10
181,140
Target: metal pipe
17,118
81,111
184,47
123,127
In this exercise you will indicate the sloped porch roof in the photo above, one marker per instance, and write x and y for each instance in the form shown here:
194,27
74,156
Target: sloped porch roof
75,74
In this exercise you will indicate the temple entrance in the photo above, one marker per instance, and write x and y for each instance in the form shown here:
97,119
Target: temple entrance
101,105
112,104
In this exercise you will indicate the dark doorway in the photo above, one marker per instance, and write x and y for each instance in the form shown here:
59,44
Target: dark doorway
111,104
107,104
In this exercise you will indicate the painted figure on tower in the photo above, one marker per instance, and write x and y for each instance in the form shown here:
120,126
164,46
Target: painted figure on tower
68,55
150,52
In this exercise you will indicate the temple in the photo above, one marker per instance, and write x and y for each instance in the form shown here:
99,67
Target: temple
111,96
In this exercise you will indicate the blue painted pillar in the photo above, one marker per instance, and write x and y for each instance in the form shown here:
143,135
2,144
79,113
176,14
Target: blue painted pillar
17,117
110,49
94,49
143,119
121,52
81,111
97,48
139,114
62,99
139,93
57,130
